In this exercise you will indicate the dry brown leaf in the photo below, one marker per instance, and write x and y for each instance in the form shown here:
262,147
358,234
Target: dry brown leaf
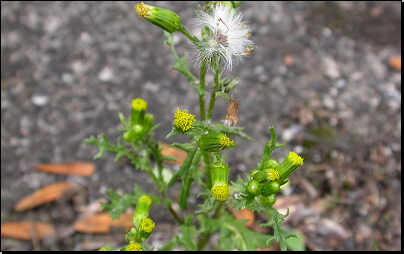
25,230
75,168
177,153
45,195
244,215
395,62
100,223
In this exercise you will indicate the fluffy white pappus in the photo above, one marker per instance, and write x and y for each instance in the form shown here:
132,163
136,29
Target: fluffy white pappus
227,39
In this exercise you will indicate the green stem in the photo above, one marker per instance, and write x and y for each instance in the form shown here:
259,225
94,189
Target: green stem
213,96
205,237
192,38
153,148
206,159
202,95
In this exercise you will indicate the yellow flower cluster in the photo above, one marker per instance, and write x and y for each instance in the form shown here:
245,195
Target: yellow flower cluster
183,120
147,225
134,247
220,192
143,10
295,159
226,142
139,105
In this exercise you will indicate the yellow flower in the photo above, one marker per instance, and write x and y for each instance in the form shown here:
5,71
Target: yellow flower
147,225
183,120
142,210
291,162
219,173
134,247
266,175
220,192
139,104
214,142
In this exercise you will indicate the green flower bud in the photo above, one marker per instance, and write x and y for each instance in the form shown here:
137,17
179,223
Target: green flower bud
255,171
271,164
253,188
266,175
148,122
270,188
268,201
131,235
291,162
139,107
142,210
165,19
128,136
219,175
214,142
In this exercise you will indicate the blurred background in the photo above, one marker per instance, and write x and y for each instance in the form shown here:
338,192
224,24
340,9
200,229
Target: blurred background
327,75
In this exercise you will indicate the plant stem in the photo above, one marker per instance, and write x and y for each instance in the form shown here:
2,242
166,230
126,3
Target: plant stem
213,96
192,38
206,159
205,238
202,95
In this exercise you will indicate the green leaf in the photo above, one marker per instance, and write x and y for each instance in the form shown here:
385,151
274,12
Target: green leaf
269,148
233,234
173,132
120,203
296,243
122,118
186,171
275,218
236,131
189,234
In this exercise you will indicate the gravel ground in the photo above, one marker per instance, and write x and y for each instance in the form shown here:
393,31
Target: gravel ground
320,75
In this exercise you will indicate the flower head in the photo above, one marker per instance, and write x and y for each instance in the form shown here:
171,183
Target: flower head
133,247
165,19
219,174
183,120
142,210
266,175
147,225
291,162
226,38
214,142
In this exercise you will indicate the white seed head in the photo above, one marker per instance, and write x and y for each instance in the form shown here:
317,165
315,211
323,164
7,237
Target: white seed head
228,38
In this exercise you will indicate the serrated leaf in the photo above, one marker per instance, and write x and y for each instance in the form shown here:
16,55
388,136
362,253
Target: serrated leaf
173,132
120,202
269,148
233,234
231,130
189,234
122,118
186,171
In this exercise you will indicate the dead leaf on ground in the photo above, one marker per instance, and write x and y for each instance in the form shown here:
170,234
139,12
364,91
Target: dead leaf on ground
244,215
100,223
177,153
395,62
45,195
75,168
25,230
